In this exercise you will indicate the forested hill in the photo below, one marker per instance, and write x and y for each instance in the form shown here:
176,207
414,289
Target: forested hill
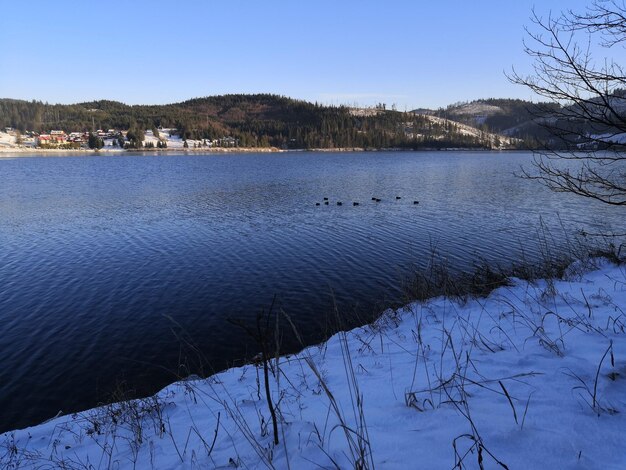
259,120
511,117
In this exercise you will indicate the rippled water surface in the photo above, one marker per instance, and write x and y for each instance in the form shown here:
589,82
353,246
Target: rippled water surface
110,266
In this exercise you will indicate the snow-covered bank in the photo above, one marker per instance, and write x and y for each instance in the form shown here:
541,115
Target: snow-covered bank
534,376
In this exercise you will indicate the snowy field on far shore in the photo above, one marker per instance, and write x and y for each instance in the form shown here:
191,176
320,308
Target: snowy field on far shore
533,376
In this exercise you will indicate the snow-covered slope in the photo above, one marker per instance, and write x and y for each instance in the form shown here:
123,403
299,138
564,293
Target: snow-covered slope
495,140
476,108
173,140
534,376
7,140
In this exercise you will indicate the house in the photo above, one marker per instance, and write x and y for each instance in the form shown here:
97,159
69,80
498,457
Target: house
78,137
43,140
228,142
54,139
59,137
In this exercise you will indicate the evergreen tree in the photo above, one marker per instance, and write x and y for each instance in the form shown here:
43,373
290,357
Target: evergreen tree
95,142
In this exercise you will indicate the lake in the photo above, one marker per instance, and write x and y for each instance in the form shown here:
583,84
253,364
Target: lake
111,267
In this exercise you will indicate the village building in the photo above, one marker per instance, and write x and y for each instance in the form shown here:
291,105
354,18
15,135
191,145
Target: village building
227,142
78,137
43,139
60,137
54,139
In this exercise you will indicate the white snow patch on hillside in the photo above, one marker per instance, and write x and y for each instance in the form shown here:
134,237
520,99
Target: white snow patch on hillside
7,140
464,129
476,108
534,376
174,141
150,137
611,138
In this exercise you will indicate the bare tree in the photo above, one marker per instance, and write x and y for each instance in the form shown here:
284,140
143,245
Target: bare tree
584,113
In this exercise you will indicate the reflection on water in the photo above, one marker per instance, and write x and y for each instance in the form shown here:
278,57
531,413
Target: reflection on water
102,257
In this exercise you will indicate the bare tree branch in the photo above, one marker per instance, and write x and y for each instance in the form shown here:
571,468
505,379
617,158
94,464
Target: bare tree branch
584,115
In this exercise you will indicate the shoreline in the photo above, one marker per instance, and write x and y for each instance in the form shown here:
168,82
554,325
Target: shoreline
413,373
28,151
117,151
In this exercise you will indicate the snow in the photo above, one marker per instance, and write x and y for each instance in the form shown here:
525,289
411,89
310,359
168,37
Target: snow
466,130
610,138
7,140
365,112
533,375
476,107
174,141
110,144
149,137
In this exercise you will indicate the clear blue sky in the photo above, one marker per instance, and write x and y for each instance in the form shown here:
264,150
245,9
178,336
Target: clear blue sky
413,53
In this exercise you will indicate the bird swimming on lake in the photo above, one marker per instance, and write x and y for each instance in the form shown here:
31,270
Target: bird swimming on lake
398,197
339,203
355,203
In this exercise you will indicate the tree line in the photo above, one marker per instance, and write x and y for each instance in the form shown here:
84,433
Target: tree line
260,120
